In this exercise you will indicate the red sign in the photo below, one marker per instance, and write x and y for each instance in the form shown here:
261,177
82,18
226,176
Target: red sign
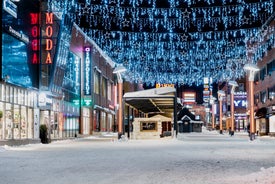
48,37
35,33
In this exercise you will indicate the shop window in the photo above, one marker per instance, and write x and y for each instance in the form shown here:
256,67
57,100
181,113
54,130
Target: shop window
148,126
104,87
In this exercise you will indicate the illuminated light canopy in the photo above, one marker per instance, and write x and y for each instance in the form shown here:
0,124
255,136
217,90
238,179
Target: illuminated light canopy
176,41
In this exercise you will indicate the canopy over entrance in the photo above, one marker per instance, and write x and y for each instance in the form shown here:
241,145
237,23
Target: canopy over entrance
154,101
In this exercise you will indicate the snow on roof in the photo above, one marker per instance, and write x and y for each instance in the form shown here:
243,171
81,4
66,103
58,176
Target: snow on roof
155,92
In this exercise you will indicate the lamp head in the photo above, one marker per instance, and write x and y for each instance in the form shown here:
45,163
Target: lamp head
233,83
221,93
251,67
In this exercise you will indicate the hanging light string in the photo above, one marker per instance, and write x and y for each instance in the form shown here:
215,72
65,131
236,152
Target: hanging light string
175,41
262,41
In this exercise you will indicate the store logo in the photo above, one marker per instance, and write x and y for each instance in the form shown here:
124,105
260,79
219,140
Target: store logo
87,68
10,7
48,37
34,18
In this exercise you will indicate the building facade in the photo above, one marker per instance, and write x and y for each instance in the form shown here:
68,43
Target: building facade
52,74
264,94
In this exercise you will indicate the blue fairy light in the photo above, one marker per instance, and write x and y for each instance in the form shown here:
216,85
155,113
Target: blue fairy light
179,42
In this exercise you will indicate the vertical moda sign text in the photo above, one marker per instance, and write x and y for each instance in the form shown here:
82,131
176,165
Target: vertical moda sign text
47,21
48,37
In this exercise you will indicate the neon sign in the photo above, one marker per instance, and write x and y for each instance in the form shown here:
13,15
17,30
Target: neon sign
34,18
77,71
87,69
158,85
240,100
48,37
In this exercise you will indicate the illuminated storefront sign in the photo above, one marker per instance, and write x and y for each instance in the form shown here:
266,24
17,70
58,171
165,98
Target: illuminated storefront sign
206,91
34,18
47,38
87,101
19,35
10,7
87,70
158,85
240,100
77,71
47,41
189,97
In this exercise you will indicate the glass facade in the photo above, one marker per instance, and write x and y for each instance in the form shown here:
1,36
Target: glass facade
42,77
15,61
17,120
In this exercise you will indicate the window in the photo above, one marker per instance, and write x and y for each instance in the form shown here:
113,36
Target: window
96,82
271,93
109,90
15,61
256,98
262,73
148,126
104,87
263,96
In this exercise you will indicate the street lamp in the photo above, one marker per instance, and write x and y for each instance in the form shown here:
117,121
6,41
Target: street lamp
221,93
118,70
212,102
233,85
251,70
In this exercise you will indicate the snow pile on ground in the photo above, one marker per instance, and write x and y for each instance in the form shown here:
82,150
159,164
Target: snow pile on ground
264,176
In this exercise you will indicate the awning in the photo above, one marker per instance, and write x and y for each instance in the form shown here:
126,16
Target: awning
261,113
157,100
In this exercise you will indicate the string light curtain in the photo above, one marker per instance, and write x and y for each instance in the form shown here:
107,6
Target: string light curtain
176,41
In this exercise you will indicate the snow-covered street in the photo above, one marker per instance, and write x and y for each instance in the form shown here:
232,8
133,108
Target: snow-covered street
195,158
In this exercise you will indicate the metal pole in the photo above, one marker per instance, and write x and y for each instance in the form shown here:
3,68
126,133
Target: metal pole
251,113
213,117
220,102
119,109
128,118
232,113
175,117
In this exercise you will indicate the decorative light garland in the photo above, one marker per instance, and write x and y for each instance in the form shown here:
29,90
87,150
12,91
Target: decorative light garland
176,41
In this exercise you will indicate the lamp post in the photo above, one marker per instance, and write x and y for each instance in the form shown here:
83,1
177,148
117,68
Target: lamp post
220,95
251,70
233,85
212,102
118,70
